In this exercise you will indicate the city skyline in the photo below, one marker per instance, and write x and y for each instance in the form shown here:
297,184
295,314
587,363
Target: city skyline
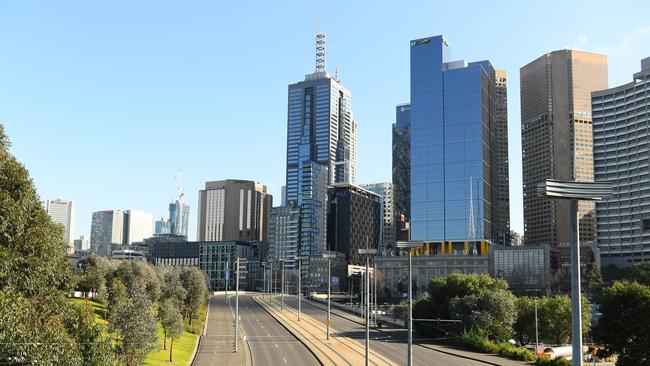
96,114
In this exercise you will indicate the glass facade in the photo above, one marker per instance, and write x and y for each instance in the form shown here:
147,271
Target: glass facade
452,116
402,163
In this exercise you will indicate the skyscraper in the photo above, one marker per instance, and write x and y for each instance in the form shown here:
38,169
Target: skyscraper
402,170
62,212
385,192
501,200
621,126
233,210
454,119
284,234
556,134
178,218
120,227
321,147
353,221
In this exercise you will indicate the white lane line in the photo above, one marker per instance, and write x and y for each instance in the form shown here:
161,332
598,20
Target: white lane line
276,345
268,334
285,360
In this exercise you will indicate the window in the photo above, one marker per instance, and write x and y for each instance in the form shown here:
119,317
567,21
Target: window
645,224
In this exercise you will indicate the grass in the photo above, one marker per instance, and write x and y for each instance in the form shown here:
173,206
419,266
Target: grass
477,342
182,352
183,346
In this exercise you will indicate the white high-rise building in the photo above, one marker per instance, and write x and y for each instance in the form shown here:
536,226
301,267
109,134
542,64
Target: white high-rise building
139,226
62,212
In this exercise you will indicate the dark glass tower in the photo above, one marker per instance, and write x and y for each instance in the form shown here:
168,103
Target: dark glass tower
402,170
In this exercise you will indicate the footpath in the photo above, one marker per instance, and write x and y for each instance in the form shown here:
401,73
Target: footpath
338,350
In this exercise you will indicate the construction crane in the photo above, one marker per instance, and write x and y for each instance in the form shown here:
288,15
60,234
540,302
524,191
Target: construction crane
181,203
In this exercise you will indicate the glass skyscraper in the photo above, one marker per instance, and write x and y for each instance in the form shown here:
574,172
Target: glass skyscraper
454,119
321,148
402,170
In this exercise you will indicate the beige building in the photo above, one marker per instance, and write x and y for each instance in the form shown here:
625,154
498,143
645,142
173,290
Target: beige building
233,210
556,133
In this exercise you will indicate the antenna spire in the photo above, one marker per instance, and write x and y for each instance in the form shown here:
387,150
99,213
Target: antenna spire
321,48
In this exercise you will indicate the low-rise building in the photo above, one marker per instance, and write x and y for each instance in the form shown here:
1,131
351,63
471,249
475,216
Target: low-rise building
526,268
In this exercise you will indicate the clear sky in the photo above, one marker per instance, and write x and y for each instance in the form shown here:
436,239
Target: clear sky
105,101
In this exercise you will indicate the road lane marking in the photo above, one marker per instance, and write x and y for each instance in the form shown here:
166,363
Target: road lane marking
285,360
276,345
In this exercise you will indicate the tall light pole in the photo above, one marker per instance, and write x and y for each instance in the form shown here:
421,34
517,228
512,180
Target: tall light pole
374,284
282,284
329,257
575,191
237,306
367,253
536,334
299,259
410,245
226,277
263,279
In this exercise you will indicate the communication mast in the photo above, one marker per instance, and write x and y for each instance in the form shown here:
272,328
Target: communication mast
181,203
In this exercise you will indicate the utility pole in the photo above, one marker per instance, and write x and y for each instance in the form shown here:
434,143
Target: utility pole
536,333
329,257
299,259
410,245
282,285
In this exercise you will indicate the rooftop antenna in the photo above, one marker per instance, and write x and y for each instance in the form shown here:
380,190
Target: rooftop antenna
321,48
181,203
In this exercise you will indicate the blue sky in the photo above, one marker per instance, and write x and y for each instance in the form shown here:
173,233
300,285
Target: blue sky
104,101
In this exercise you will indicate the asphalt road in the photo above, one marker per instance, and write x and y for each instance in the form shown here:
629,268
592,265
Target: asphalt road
394,348
270,343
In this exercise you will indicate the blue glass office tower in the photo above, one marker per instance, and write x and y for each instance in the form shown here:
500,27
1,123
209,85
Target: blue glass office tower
321,148
453,115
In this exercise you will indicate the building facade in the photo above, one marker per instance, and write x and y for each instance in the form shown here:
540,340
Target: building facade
120,228
353,221
82,243
393,271
501,173
321,148
162,227
233,210
401,172
556,132
178,218
385,191
284,234
621,127
62,213
454,121
526,268
218,260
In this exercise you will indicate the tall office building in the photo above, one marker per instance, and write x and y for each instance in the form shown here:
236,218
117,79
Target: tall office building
353,221
107,227
178,218
556,133
454,119
621,125
402,171
321,147
233,210
284,234
385,191
162,227
138,226
120,228
82,243
62,212
500,178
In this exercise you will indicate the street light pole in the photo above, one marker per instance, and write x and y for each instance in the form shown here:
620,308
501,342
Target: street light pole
282,284
410,245
299,259
575,191
367,252
329,256
536,334
237,306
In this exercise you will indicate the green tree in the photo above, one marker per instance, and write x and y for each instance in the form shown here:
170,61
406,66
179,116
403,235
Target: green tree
524,326
466,297
594,279
35,276
194,283
625,322
172,287
95,349
116,295
135,326
641,273
172,323
554,318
